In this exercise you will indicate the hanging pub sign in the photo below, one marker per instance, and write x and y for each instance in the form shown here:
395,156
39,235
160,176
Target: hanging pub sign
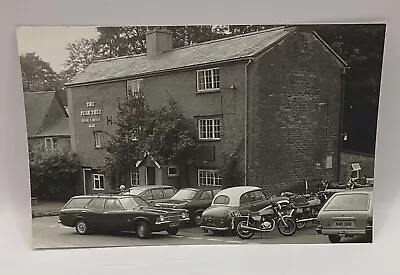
91,116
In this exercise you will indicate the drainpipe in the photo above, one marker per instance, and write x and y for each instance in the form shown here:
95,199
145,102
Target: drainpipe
245,119
341,124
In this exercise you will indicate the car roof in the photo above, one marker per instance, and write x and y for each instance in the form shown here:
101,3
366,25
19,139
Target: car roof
234,193
198,188
366,190
102,196
147,187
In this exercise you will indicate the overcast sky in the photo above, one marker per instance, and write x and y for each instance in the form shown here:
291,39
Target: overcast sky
50,42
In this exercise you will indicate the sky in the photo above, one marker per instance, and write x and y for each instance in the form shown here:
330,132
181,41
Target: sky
49,42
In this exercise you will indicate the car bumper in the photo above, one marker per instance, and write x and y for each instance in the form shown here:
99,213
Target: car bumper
346,232
214,228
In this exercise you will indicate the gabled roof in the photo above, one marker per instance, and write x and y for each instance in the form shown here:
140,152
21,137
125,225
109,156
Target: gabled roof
37,105
59,127
221,50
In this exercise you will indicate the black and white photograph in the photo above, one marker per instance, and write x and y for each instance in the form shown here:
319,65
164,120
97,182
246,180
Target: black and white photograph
201,134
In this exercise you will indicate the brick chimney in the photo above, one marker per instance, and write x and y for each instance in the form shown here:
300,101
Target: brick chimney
158,41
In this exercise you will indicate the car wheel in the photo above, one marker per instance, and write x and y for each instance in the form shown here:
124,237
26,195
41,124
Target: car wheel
173,230
143,230
82,227
334,238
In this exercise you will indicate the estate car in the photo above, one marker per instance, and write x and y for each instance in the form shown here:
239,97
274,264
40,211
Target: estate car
346,214
195,200
119,213
218,217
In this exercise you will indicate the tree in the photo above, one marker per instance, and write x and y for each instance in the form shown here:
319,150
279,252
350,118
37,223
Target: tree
37,74
81,54
164,134
53,173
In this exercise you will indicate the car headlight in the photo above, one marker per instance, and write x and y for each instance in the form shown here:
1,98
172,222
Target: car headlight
234,213
184,215
161,218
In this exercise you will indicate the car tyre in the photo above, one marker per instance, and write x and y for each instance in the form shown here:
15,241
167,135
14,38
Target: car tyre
173,230
143,230
82,227
334,238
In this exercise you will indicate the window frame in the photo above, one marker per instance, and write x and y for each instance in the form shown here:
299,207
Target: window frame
101,210
99,179
221,196
215,177
97,135
173,174
134,94
118,202
206,192
202,74
157,190
137,177
46,139
212,126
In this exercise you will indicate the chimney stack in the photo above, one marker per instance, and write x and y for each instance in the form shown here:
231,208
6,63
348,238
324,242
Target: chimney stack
158,41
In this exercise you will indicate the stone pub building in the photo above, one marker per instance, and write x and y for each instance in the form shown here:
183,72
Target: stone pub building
274,96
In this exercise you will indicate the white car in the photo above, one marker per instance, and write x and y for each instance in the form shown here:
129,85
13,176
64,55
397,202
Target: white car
347,214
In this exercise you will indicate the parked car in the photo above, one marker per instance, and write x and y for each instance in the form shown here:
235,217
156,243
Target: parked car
195,200
347,214
218,216
152,193
119,213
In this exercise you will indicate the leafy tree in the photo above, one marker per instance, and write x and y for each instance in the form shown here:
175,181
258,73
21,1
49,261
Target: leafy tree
232,172
54,173
164,134
37,74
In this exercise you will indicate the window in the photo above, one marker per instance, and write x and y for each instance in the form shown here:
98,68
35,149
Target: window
77,203
210,128
349,202
169,193
98,182
97,140
172,171
157,194
257,195
135,177
207,195
245,199
96,204
222,199
209,177
133,87
113,205
208,80
355,170
185,194
147,195
49,143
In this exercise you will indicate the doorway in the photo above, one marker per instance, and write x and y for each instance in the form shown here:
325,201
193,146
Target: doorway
151,175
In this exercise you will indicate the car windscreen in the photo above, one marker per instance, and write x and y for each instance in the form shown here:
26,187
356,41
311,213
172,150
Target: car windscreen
135,191
349,202
132,203
184,194
222,200
76,203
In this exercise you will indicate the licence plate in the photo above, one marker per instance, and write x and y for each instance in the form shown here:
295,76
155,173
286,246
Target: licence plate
344,224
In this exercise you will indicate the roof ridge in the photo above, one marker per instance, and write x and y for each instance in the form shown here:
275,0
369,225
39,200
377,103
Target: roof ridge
39,92
200,44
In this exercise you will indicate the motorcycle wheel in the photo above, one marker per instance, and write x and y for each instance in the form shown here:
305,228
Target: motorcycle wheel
244,233
288,230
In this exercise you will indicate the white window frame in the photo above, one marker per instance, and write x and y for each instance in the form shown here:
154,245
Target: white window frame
135,177
133,87
97,181
355,167
208,177
49,146
209,129
208,77
173,174
97,139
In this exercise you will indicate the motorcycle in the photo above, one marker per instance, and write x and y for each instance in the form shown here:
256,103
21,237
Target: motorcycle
265,220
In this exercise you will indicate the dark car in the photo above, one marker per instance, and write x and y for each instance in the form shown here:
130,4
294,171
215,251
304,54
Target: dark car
119,213
195,200
152,193
218,216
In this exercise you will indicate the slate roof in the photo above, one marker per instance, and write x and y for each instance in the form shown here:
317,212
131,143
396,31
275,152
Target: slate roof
37,105
59,127
226,49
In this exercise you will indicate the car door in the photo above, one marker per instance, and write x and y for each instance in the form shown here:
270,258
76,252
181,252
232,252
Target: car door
113,215
94,212
205,199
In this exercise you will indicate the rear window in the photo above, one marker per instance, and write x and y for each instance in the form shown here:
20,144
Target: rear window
77,203
349,202
222,199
